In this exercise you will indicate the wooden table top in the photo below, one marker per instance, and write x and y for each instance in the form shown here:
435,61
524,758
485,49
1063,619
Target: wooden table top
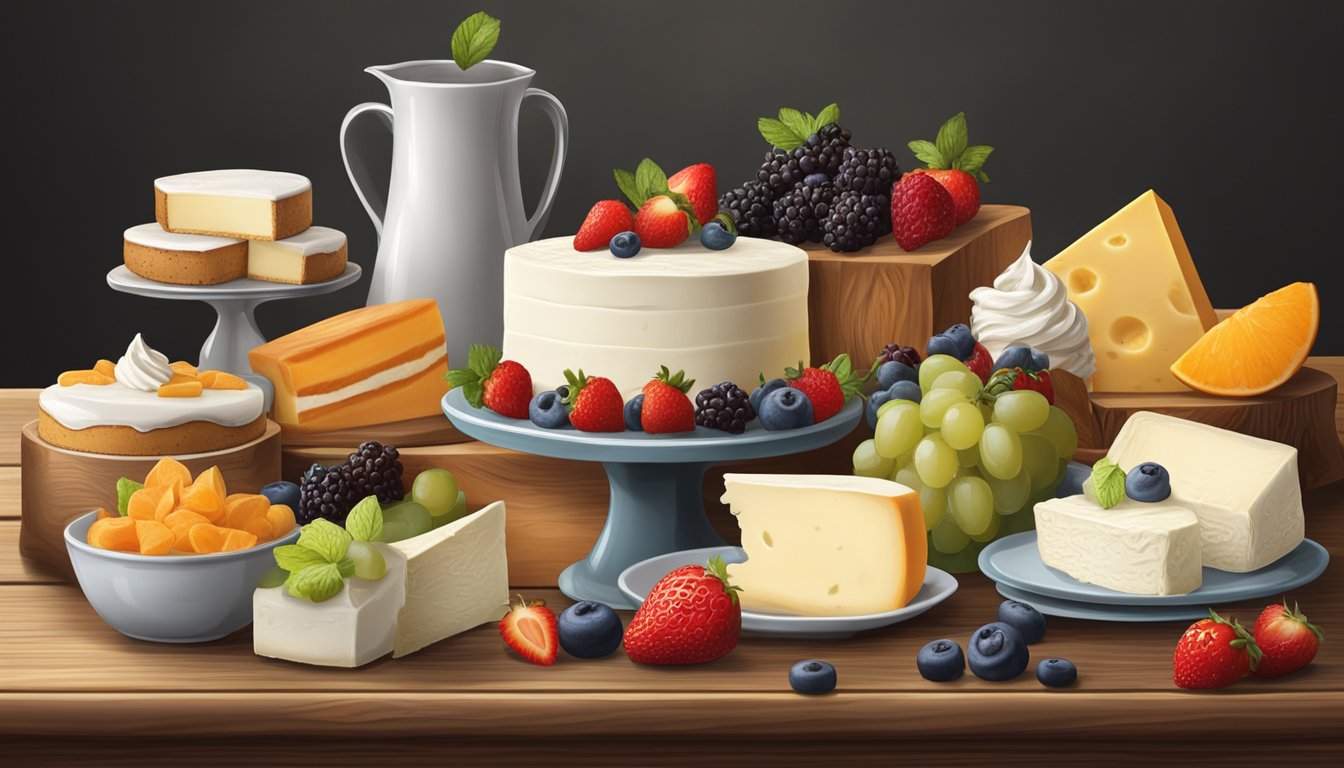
71,688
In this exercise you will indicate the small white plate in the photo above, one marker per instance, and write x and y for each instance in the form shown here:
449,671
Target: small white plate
638,579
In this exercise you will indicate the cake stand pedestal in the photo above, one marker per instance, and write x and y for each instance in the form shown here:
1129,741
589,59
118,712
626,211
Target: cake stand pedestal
235,331
656,482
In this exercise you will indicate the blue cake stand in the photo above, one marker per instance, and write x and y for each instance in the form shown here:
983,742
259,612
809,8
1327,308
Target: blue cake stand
657,502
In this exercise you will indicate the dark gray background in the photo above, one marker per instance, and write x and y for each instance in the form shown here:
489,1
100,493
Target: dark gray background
1231,110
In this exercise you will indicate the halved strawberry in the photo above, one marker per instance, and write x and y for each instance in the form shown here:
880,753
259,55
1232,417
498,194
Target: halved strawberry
531,630
605,220
698,184
661,223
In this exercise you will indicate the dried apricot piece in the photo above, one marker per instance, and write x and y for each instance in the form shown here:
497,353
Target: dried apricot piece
155,538
203,500
213,478
115,533
144,503
166,471
241,507
184,368
181,523
172,494
103,514
71,378
259,527
238,540
107,368
220,380
281,518
183,388
206,538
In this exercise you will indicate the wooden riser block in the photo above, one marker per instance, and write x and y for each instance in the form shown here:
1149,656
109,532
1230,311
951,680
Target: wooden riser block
858,303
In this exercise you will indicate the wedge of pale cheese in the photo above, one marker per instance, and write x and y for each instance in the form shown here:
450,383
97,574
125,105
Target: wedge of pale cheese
1143,549
826,545
1243,489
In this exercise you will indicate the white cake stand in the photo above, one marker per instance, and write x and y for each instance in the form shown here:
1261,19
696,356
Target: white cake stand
235,331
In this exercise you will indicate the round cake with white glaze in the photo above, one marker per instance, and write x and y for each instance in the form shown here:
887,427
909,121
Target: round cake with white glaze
729,315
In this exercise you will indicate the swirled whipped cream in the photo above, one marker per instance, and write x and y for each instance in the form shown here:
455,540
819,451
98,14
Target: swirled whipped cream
143,367
1030,305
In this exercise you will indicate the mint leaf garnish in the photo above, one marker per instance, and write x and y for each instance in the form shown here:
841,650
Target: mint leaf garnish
474,38
951,139
793,127
650,180
927,153
1108,483
949,149
125,487
365,521
800,124
346,567
779,135
829,114
293,557
326,539
275,577
316,583
626,181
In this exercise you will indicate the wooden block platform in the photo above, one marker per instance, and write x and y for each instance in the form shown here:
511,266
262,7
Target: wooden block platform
859,302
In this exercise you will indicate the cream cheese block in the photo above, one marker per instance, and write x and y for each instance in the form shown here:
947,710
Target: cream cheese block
438,584
1243,489
263,205
1134,547
169,257
718,315
315,255
826,545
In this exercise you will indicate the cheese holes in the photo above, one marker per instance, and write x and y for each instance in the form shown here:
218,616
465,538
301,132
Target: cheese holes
834,590
767,539
1130,333
1117,241
1082,280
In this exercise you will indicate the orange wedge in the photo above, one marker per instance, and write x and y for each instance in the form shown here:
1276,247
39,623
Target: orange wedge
1256,349
167,470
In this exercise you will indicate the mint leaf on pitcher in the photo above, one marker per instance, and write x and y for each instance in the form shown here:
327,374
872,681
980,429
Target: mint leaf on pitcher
474,39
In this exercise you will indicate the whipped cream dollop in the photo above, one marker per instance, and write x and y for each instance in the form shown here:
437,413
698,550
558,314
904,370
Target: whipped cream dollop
143,367
1029,304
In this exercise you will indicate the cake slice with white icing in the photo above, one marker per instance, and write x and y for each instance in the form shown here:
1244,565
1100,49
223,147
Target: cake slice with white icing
257,205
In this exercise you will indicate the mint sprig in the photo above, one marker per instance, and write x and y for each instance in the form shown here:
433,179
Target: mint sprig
474,38
792,129
365,521
649,181
482,360
319,563
950,151
125,488
1107,484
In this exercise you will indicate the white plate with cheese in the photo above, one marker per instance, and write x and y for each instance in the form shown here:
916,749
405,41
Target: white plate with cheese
1015,561
638,579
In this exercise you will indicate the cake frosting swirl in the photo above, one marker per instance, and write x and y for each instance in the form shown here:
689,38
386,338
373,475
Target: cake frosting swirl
1028,304
143,367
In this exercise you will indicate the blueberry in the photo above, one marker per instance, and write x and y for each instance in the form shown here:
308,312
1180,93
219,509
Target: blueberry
812,676
1028,621
625,245
905,390
816,179
1149,482
547,410
763,390
891,372
633,411
942,344
785,408
996,651
590,630
282,492
714,237
875,401
940,661
1056,673
1039,360
1015,356
960,334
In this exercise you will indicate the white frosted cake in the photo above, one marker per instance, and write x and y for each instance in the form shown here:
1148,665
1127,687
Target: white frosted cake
719,315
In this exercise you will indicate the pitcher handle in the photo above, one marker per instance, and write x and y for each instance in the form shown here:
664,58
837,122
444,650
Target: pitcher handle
375,202
560,121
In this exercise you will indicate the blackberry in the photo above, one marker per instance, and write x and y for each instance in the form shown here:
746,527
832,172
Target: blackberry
823,152
374,469
780,172
725,407
869,171
324,493
799,214
752,208
900,354
855,221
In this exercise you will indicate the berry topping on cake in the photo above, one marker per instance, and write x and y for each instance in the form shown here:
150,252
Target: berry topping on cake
719,234
666,217
922,211
661,224
828,387
503,386
752,207
698,184
625,245
595,404
666,408
605,220
724,406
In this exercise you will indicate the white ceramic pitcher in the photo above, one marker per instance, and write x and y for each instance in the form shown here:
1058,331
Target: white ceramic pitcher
455,200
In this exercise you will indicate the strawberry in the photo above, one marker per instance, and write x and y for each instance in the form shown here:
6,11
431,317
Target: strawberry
691,616
980,362
1213,653
504,387
661,223
605,220
962,186
1021,378
921,211
594,403
955,165
1286,638
531,630
698,184
666,407
828,387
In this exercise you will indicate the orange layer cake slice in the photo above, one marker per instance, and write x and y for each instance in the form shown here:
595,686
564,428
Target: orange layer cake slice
373,365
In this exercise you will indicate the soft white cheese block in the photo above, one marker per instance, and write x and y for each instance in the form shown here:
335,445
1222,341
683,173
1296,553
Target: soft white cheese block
1244,490
1143,549
457,577
826,545
353,628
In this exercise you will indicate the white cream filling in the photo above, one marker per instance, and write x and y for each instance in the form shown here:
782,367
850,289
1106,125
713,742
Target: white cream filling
378,380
